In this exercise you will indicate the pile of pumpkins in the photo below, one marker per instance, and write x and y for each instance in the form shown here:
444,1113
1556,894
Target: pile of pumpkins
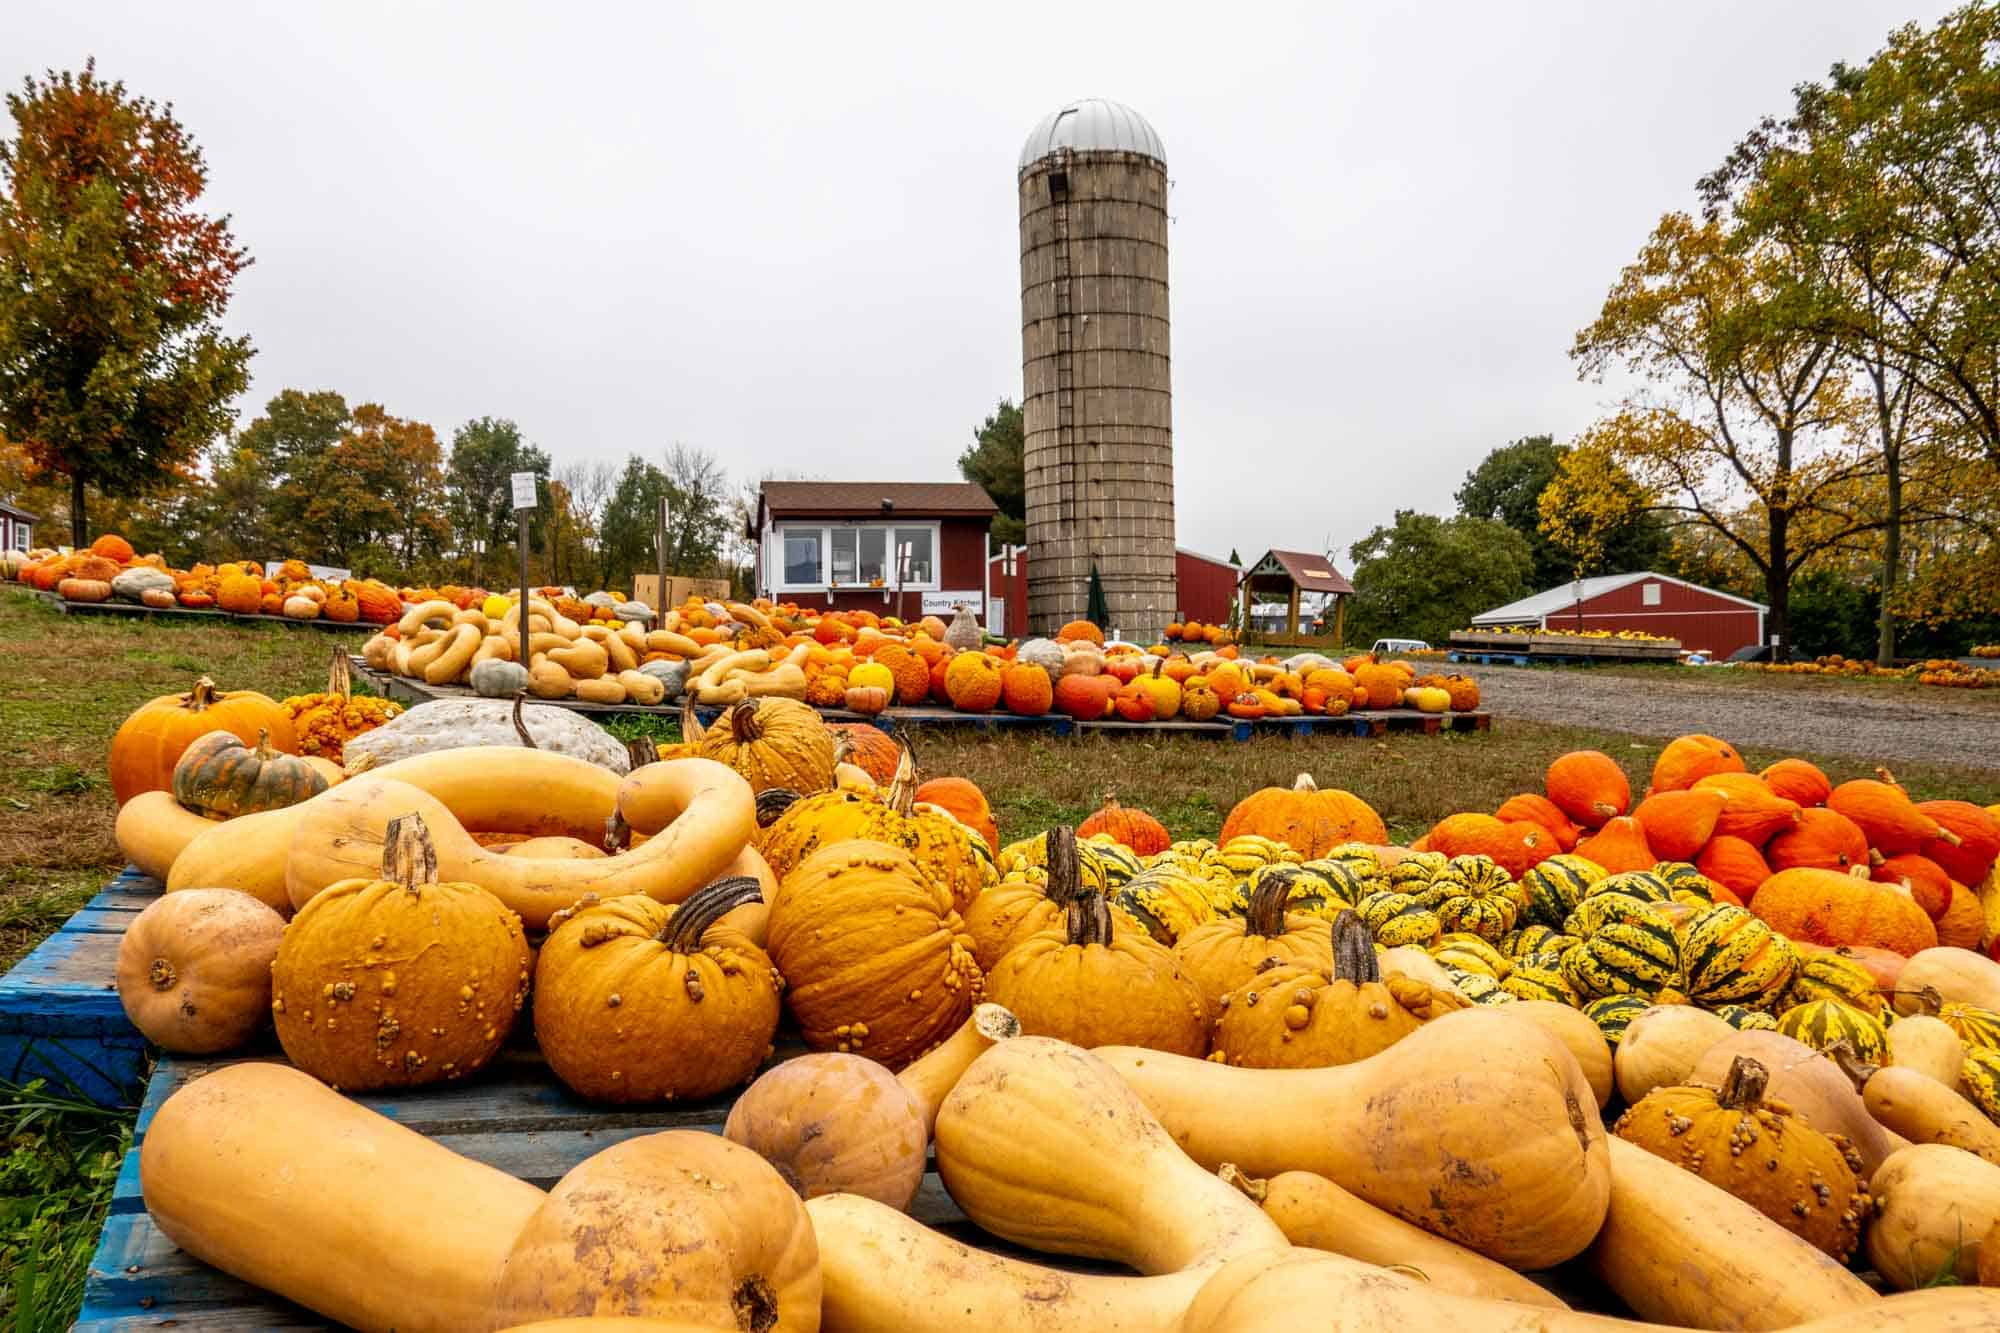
1106,1038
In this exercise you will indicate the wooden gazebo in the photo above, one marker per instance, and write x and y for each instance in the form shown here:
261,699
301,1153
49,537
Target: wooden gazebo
1291,573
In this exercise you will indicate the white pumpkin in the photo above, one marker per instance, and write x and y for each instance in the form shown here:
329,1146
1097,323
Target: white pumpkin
132,584
1044,653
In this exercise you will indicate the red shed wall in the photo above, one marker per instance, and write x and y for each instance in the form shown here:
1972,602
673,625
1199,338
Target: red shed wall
1700,619
1207,588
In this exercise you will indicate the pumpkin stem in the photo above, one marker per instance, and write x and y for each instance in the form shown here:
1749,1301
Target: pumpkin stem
409,858
521,727
703,908
616,831
1929,997
743,724
641,751
1304,782
772,802
1089,919
903,787
201,697
265,754
1253,1187
340,677
1744,1084
162,974
1354,950
1842,1053
995,1022
1265,914
691,729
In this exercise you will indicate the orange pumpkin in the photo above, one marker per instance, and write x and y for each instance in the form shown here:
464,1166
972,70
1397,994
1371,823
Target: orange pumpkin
1886,814
1923,877
1970,859
1589,787
869,749
1797,780
973,681
1543,811
1963,924
1516,845
1735,864
1619,846
1678,824
1085,698
1689,759
1133,702
912,673
962,800
1128,824
1311,821
1826,907
151,741
1823,839
1026,689
1248,705
1752,811
1082,630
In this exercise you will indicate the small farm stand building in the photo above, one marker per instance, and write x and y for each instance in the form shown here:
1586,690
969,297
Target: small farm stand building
1283,576
1703,619
897,548
1206,586
17,528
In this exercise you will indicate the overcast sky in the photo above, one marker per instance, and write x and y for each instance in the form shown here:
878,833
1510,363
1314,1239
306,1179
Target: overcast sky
788,234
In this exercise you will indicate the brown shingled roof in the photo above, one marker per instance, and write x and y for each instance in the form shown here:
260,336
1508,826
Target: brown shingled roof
1312,573
913,499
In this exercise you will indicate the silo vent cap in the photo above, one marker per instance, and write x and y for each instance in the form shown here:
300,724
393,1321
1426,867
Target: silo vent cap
1093,123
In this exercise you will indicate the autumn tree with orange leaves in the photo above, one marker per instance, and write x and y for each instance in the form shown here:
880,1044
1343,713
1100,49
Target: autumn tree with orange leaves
114,370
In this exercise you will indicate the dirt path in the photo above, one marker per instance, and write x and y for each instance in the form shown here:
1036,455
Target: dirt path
1944,729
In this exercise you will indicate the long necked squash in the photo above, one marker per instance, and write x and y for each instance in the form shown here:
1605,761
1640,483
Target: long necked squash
1911,1103
153,829
1472,1087
273,1177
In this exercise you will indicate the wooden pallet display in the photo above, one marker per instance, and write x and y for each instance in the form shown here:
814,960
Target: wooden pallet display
60,1017
70,608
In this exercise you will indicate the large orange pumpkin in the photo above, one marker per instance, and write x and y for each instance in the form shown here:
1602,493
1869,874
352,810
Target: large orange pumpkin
1589,787
113,547
150,742
1311,821
1082,630
1827,907
1689,759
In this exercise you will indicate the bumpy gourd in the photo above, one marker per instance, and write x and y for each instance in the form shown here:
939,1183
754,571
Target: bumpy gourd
1222,954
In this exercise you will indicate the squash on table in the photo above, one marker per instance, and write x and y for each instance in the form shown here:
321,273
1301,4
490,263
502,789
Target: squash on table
1589,787
375,1226
1661,1047
741,1246
194,969
1311,821
1934,1206
873,953
149,743
324,722
221,776
1825,907
639,1001
1926,1043
1808,1082
1222,954
1020,906
1729,956
1473,1086
398,981
1291,1016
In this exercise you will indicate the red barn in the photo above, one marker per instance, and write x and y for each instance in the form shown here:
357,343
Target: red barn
903,549
1703,619
1207,587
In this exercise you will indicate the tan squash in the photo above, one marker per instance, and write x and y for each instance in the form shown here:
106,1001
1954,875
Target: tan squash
1581,1037
931,1076
1926,1044
1313,1211
1955,974
881,1272
1808,1082
1923,1110
1662,1046
153,829
682,1225
194,968
1473,1086
611,1324
1934,1205
274,1178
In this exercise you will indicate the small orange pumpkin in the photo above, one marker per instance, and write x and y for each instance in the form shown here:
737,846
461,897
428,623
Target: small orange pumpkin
1589,787
1686,760
1619,846
1128,824
1308,819
1678,824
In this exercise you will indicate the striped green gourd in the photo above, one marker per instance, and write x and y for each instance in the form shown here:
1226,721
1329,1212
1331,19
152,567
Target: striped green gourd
1553,888
1614,1013
1398,918
1635,953
1821,1023
1731,957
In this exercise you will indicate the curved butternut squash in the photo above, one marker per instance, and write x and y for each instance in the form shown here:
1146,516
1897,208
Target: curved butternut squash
153,829
1041,1144
610,1324
1471,1127
273,1177
336,839
1934,1205
1583,1038
1304,1288
1313,1211
1956,974
1662,1046
1923,1110
931,1076
1681,1251
882,1272
1811,1084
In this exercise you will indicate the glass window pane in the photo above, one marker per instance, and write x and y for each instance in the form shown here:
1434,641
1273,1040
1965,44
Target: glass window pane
843,555
802,557
919,541
874,554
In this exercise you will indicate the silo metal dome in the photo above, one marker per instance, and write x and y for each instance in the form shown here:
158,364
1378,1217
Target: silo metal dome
1093,123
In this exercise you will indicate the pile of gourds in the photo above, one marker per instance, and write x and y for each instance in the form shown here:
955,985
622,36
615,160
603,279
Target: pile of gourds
1943,672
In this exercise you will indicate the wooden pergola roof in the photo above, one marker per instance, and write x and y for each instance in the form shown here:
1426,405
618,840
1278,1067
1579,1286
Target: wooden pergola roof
1281,571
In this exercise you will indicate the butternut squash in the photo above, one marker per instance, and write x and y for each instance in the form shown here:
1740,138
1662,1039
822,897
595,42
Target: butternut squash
1934,1205
1472,1127
1304,1288
153,829
882,1272
1662,1046
1680,1251
1808,1082
610,1324
273,1177
1927,1045
1041,1144
1923,1110
1313,1211
1583,1038
931,1076
1956,974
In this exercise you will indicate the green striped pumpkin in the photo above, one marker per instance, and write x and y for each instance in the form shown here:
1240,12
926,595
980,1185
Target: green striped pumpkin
1365,864
1746,1020
1351,881
1478,987
1602,909
1689,885
1731,957
1553,888
1468,951
1614,1013
1307,891
1398,918
1119,863
1821,1023
1535,939
1540,977
1168,903
1831,976
1636,954
1978,1028
1641,884
1416,870
1475,895
1981,1077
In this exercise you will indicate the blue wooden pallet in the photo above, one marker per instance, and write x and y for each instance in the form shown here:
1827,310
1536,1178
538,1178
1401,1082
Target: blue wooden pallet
60,1018
514,1116
1489,659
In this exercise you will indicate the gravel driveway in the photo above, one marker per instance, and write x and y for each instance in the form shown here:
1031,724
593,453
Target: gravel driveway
1814,721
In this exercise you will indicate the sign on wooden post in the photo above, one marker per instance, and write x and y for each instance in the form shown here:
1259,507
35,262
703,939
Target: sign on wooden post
524,505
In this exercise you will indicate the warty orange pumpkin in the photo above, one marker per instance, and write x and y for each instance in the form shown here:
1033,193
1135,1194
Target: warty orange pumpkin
962,800
1825,907
1222,954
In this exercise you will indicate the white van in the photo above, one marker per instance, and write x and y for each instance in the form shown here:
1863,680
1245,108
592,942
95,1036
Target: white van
1390,647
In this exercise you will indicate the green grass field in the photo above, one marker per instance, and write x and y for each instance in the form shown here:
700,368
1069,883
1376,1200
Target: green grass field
72,680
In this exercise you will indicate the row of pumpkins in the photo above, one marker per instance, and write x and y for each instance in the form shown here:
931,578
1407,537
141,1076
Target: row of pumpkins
758,651
880,924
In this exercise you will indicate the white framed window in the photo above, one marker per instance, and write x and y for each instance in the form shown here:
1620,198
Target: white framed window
1649,594
807,557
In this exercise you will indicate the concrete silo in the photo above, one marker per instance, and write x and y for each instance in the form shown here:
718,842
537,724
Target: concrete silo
1097,397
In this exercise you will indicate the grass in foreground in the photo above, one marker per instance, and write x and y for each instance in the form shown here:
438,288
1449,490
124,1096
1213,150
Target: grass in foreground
58,1161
